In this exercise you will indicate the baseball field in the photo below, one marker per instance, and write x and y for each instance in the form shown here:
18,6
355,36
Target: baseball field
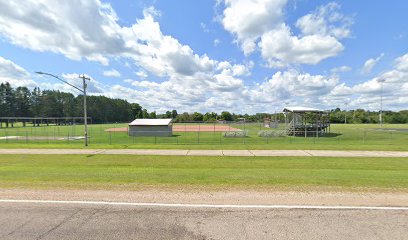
209,136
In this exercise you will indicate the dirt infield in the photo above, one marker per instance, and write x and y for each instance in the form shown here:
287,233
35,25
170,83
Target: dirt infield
122,129
188,128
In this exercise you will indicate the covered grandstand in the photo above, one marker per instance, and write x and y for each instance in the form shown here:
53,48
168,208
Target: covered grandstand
303,121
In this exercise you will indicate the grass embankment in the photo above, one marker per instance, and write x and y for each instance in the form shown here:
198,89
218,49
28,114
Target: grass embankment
133,172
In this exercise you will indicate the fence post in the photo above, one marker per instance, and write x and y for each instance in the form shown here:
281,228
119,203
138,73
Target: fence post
390,136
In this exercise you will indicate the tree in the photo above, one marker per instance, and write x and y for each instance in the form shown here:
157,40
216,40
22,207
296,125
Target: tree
227,116
174,114
152,115
7,102
185,117
145,114
198,117
210,117
136,110
22,102
36,96
3,105
168,114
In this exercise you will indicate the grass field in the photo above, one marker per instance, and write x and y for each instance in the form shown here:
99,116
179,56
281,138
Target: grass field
132,172
347,137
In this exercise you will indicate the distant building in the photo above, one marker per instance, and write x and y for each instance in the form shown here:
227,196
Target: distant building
151,127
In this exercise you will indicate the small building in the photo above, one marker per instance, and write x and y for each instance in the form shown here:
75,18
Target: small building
303,121
151,127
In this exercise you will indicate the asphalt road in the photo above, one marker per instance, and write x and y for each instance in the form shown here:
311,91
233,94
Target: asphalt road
77,221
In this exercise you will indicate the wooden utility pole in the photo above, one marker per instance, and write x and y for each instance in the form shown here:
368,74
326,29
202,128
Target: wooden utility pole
85,109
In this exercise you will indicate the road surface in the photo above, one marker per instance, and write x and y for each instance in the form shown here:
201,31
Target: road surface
86,221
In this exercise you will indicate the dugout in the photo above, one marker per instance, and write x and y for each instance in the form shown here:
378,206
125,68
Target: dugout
151,127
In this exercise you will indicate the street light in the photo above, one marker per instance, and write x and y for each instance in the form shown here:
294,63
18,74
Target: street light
82,91
381,81
345,113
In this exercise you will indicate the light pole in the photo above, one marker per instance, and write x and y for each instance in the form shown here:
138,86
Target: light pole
345,114
82,91
381,81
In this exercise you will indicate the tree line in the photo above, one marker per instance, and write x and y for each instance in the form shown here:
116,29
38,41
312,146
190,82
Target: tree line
23,102
362,116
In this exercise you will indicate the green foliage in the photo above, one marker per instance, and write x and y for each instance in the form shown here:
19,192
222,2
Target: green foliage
227,116
174,114
363,116
197,117
210,117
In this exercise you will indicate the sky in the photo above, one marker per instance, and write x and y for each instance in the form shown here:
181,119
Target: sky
242,56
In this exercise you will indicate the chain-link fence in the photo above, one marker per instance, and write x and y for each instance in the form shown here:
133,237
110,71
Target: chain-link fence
199,133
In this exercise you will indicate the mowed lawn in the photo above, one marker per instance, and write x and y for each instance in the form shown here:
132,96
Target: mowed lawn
132,172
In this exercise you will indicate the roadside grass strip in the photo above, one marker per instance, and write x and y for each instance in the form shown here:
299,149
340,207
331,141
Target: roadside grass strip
112,171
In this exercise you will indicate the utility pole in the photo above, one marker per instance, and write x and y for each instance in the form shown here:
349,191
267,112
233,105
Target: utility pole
83,90
85,109
381,81
345,114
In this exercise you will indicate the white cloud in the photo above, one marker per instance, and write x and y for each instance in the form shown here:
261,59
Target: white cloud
260,23
367,94
187,78
204,27
341,69
280,48
93,86
77,29
295,87
249,19
217,42
370,64
141,73
14,74
111,73
326,21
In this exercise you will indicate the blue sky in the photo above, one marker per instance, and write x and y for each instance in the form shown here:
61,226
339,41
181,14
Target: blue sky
236,55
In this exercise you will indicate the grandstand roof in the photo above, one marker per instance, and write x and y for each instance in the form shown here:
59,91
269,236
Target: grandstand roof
302,109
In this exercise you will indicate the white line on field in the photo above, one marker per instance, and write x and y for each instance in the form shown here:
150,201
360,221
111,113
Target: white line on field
182,205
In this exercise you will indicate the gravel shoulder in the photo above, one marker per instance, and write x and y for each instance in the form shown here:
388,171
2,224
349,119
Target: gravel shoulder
189,196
